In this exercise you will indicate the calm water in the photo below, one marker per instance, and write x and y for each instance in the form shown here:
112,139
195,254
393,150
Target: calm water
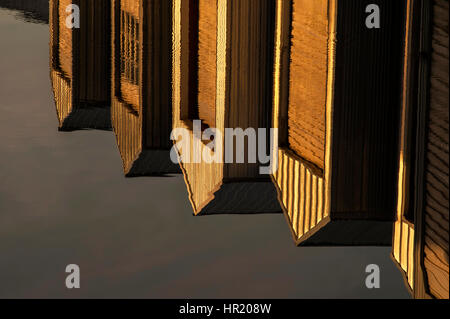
64,200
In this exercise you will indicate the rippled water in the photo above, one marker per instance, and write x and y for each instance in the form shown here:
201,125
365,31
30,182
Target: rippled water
64,200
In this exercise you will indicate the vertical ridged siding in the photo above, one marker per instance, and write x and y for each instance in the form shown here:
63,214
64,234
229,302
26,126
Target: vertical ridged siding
62,90
125,119
127,126
303,189
80,65
242,87
301,194
62,93
127,57
251,34
366,109
436,210
65,38
92,51
403,244
202,179
156,73
434,230
403,247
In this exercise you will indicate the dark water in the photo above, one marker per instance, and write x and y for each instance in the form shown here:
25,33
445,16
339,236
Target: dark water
64,200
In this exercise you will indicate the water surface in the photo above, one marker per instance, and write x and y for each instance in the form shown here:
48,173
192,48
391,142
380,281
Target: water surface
64,200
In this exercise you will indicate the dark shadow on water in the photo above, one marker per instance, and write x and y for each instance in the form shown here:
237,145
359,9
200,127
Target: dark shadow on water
34,11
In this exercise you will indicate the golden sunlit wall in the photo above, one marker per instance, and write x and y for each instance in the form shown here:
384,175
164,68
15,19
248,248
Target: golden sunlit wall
420,241
403,236
80,68
126,109
141,85
60,45
303,182
222,74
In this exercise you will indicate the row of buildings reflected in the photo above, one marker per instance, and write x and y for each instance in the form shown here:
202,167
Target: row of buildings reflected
362,113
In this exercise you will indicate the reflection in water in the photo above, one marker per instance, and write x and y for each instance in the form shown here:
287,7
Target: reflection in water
29,10
141,85
421,232
222,76
116,71
338,163
80,67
